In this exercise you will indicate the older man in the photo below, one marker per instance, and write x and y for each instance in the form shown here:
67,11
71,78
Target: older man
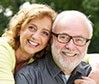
71,34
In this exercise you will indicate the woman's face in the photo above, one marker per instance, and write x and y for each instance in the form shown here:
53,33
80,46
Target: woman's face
34,37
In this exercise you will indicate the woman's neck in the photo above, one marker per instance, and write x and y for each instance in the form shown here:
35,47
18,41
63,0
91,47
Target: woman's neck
22,56
21,59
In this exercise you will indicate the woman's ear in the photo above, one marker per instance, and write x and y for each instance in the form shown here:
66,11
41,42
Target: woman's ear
18,34
18,30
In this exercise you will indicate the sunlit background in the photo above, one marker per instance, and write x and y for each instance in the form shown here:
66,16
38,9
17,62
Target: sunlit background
90,7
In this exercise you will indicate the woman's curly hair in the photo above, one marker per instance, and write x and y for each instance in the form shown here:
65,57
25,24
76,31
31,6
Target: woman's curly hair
22,18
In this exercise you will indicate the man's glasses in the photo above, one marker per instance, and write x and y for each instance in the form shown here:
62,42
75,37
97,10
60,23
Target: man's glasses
65,38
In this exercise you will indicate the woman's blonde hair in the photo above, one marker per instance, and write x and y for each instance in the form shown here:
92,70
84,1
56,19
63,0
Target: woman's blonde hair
23,17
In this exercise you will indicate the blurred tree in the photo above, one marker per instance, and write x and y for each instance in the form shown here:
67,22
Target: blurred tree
89,7
4,5
8,7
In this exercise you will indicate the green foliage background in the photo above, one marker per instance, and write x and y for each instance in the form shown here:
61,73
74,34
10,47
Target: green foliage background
89,7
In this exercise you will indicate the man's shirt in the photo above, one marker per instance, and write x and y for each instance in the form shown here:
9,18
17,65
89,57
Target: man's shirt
45,71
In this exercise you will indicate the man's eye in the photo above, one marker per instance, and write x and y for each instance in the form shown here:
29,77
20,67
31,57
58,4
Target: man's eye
79,40
64,37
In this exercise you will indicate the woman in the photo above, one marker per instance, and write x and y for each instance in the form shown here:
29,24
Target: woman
28,33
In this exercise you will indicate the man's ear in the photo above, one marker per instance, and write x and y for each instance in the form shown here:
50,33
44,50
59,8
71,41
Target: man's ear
51,40
88,43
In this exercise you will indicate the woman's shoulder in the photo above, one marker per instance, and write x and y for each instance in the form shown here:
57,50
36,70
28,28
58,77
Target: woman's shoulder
5,48
7,53
4,44
3,40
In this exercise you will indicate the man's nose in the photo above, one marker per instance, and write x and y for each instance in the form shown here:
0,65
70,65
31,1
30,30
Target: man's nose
70,44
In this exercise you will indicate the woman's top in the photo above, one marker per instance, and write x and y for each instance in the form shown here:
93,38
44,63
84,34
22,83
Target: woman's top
7,62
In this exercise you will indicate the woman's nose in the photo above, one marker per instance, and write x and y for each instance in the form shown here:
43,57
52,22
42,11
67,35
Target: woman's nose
36,35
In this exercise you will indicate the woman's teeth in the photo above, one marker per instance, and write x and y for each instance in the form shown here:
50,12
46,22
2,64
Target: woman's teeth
33,43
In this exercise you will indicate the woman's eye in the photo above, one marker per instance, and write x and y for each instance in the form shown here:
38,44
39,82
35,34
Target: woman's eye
45,33
31,28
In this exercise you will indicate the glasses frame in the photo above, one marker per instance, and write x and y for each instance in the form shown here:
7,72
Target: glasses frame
71,37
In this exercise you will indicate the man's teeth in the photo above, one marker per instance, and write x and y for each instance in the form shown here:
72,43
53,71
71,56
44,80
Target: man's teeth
33,43
69,54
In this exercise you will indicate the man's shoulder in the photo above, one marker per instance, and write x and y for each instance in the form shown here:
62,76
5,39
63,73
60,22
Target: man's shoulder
36,66
38,63
85,67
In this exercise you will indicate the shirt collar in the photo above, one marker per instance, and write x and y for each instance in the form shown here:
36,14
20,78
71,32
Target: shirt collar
80,69
55,70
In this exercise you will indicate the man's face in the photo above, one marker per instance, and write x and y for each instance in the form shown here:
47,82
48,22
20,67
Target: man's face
68,55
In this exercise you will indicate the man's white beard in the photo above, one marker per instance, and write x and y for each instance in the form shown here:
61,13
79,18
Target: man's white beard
64,65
